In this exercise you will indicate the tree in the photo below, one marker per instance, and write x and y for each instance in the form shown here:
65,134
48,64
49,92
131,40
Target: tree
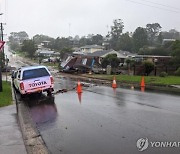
29,47
129,63
176,52
148,67
153,31
16,38
125,42
112,60
97,39
117,28
65,51
171,34
40,38
61,43
14,46
116,31
139,38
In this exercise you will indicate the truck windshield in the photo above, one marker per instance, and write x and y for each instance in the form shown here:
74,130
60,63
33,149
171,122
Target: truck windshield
35,73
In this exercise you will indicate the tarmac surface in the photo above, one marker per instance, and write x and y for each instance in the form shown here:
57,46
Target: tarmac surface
98,121
102,120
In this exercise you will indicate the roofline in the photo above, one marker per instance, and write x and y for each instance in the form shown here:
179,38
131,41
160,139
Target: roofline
32,67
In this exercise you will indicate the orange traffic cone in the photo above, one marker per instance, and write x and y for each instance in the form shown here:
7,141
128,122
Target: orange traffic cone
114,85
142,82
79,88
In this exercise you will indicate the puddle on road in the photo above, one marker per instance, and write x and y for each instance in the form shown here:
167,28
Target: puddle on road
42,109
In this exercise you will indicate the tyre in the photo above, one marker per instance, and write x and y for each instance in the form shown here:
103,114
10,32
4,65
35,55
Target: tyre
23,96
49,93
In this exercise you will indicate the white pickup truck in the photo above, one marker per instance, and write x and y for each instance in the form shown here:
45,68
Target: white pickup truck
33,79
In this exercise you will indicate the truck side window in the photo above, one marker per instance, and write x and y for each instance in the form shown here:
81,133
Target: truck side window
19,73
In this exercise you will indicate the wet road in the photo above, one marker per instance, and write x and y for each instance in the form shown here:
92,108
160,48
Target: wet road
103,121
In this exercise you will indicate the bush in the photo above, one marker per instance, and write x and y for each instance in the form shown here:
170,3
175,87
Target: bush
177,73
163,74
148,67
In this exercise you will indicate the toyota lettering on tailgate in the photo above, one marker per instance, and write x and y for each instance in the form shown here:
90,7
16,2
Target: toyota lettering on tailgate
37,84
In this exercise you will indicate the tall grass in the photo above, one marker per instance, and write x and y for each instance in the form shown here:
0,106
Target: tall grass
155,80
6,94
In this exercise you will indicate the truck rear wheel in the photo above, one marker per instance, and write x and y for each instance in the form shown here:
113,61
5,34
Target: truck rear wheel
49,93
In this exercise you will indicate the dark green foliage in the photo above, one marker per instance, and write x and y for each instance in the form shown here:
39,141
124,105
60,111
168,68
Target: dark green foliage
125,42
139,38
148,67
60,43
117,28
65,51
177,72
116,32
176,52
153,31
92,39
171,34
160,51
163,74
40,38
112,60
130,62
16,38
5,95
14,46
29,48
97,39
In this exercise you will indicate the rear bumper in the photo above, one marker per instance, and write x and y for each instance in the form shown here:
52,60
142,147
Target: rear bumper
37,90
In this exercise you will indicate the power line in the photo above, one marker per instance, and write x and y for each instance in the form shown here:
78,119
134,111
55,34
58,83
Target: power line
162,5
175,11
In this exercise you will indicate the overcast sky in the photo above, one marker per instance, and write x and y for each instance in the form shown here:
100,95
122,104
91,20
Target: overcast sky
81,17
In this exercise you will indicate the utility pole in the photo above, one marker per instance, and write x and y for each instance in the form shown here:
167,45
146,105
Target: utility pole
2,60
1,88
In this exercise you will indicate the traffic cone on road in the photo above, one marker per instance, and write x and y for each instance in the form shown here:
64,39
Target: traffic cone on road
114,85
79,88
142,82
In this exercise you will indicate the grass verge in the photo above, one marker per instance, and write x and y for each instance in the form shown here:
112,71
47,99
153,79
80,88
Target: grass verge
6,94
151,80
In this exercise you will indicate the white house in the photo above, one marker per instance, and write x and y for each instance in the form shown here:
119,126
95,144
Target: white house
47,53
91,48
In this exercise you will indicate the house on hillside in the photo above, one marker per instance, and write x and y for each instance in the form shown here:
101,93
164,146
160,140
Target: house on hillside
91,48
103,53
47,53
153,58
167,41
